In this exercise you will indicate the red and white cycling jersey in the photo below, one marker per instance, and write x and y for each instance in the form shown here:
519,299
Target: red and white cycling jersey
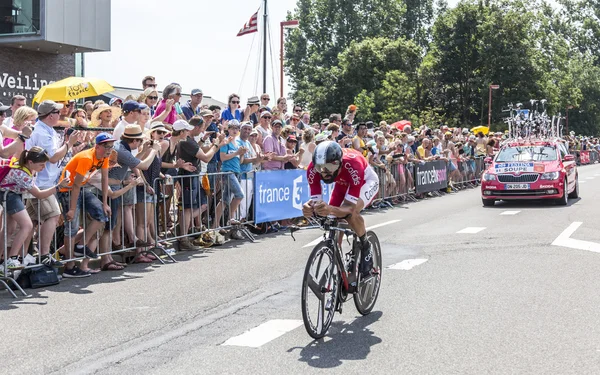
356,179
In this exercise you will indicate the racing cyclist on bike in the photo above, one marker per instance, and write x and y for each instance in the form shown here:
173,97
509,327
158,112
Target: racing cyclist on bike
356,185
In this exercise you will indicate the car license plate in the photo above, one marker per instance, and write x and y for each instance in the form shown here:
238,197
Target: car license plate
517,186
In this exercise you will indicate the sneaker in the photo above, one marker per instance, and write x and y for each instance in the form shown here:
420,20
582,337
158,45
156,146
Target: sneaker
170,252
366,261
75,273
84,251
186,245
236,235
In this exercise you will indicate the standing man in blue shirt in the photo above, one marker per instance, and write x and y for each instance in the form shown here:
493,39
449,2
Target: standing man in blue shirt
250,158
232,156
192,107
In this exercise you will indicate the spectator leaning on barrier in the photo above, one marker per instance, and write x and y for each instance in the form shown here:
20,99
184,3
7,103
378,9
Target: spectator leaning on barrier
24,116
232,155
264,126
251,158
131,140
72,199
21,179
192,107
16,102
189,150
272,144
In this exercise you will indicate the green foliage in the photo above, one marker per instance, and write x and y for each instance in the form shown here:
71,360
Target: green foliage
431,64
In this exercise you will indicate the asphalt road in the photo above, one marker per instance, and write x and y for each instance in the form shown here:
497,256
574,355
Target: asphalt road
502,300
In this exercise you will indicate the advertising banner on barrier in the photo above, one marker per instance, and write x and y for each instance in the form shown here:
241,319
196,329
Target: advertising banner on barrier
584,157
430,176
279,195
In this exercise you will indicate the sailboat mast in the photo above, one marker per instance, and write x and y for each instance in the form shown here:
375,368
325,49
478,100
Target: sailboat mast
265,47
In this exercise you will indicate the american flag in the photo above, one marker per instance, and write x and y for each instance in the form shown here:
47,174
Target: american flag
251,26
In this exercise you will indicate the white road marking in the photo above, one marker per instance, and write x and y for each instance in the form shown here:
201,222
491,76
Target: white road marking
471,230
582,182
509,212
564,239
264,333
407,264
315,242
590,178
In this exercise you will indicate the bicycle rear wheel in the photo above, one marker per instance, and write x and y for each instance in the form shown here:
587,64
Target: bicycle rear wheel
368,288
320,288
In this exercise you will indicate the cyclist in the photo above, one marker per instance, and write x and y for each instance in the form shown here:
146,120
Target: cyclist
356,185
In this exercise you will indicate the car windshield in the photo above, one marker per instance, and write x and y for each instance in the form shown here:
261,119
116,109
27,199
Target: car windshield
526,153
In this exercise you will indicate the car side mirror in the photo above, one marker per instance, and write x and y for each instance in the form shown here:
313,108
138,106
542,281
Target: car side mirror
487,160
569,158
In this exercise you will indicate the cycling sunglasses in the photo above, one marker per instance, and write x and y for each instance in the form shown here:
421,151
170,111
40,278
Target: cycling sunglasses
328,167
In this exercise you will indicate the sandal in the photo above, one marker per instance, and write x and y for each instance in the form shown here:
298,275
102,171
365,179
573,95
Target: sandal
142,259
148,255
112,266
92,271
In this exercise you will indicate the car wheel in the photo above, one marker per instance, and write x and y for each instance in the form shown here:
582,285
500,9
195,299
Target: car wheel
575,193
564,200
488,202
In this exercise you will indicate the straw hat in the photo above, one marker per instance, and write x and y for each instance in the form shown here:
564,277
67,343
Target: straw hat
95,121
133,132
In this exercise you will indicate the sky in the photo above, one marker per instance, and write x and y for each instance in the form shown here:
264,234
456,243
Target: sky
194,44
196,47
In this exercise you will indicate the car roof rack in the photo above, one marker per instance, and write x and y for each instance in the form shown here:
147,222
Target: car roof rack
533,125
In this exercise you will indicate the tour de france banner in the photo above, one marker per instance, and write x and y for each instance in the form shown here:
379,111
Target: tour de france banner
279,195
430,176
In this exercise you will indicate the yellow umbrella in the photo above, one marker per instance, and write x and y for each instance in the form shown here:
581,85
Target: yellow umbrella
483,129
72,88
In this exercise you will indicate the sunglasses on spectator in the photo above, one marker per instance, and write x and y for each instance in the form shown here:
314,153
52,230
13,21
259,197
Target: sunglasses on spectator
267,117
235,101
153,97
265,98
161,132
298,111
55,112
107,146
177,94
151,85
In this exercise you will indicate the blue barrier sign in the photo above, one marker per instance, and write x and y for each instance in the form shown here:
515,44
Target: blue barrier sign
279,195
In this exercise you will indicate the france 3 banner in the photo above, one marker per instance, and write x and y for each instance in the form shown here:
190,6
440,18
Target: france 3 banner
279,195
430,176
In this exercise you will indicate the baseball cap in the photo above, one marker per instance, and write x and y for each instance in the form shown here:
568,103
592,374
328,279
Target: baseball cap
196,92
206,112
103,138
325,121
447,133
48,106
247,124
265,113
277,122
3,107
254,132
131,105
292,138
234,123
253,100
182,125
114,100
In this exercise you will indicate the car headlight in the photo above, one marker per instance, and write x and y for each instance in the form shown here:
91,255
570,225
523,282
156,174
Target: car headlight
489,177
550,176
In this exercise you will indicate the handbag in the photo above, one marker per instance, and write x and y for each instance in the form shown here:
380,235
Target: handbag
38,277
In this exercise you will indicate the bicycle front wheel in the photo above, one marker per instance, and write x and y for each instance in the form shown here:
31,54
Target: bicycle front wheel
320,288
368,288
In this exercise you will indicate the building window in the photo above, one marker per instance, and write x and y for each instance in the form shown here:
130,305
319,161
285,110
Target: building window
19,17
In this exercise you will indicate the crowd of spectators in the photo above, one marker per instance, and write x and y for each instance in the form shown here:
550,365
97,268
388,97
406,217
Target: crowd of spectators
56,165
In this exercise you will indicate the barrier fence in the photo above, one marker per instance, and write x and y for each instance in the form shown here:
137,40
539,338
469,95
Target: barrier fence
188,211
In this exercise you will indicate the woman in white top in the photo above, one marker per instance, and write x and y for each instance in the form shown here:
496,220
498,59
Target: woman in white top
308,145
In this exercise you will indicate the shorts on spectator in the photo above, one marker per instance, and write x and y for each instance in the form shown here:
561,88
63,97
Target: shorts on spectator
45,209
129,197
115,206
14,203
192,195
451,166
86,200
140,197
231,188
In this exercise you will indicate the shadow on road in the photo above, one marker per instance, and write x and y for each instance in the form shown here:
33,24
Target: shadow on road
345,341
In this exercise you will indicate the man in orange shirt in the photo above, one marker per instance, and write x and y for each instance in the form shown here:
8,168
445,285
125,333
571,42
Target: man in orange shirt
80,169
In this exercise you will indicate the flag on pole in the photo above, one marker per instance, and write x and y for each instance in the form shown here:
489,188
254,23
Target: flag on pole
251,26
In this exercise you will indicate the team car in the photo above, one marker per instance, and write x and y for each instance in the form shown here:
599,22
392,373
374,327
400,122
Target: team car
530,170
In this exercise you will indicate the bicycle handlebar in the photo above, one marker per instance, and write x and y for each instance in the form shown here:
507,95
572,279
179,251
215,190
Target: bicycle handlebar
322,222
